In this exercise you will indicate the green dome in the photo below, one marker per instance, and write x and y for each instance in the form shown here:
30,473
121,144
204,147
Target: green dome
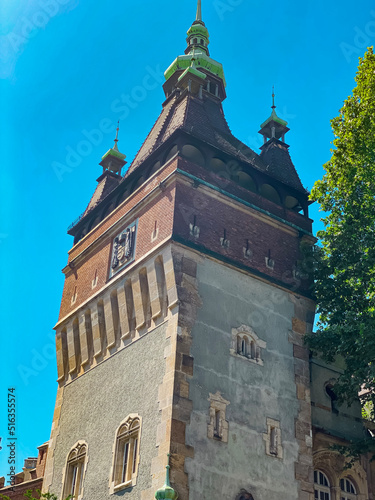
166,491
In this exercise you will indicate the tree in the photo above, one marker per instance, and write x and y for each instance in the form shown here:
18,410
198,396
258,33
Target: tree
345,266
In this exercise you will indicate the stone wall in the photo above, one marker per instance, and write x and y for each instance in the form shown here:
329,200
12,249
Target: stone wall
257,393
97,402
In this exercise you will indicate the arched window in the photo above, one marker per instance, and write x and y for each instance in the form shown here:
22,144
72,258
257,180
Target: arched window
321,486
193,154
244,495
74,472
247,344
270,193
348,491
246,181
171,153
126,456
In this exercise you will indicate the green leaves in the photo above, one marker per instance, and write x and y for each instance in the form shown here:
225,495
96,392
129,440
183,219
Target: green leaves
345,259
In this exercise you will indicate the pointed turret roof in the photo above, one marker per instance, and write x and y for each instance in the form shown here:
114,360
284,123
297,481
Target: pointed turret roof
112,163
275,154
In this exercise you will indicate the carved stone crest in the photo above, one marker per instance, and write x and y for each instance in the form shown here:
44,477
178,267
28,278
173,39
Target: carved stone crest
123,248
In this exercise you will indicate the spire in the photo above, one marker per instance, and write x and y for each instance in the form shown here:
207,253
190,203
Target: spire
166,492
199,11
203,66
116,139
273,97
198,37
113,160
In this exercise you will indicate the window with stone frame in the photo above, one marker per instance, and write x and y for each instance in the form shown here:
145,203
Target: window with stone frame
348,490
218,425
322,489
126,454
272,439
75,470
247,344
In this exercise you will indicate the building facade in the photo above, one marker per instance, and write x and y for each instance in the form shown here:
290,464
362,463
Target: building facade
30,479
181,327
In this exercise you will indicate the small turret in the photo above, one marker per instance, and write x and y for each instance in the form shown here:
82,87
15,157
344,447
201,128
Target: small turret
113,160
274,127
195,70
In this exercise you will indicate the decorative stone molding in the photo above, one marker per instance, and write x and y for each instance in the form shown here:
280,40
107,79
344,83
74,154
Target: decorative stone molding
123,248
247,345
273,439
75,470
333,465
218,426
127,433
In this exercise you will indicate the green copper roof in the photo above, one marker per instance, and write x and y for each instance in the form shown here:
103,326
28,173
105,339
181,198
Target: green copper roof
197,50
114,152
274,118
202,60
166,492
193,70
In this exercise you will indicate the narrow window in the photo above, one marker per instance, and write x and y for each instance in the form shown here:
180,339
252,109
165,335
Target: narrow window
74,471
125,462
135,455
217,424
243,347
253,350
273,441
322,489
239,345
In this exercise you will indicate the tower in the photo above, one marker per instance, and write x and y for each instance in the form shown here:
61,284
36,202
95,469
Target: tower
183,312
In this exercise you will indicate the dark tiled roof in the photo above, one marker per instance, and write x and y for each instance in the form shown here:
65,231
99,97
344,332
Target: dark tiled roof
276,157
106,184
205,120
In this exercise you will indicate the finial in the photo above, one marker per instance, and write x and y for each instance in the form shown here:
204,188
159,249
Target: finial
167,483
116,139
199,11
166,492
273,97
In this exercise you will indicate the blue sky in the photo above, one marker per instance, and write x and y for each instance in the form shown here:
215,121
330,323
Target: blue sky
67,70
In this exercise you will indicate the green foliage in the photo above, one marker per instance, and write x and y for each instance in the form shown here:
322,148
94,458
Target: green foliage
345,273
